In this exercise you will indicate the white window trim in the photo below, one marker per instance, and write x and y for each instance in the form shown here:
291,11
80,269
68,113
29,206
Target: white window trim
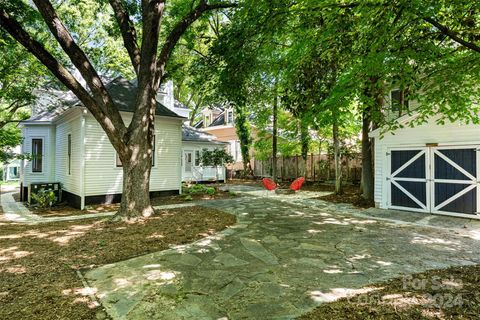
229,112
43,155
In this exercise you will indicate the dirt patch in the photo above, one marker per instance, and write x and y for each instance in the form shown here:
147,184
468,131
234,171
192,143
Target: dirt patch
451,293
176,199
350,195
63,209
38,263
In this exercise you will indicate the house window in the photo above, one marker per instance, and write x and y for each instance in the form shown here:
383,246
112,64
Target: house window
13,173
69,154
37,155
118,162
197,158
229,117
397,98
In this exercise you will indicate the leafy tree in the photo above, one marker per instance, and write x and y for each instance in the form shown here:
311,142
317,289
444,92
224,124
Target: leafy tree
149,52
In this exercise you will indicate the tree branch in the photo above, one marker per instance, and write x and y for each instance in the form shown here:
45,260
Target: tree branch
33,46
79,59
179,30
57,69
5,122
152,12
128,32
452,34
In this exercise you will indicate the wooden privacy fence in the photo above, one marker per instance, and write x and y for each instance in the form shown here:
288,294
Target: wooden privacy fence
316,168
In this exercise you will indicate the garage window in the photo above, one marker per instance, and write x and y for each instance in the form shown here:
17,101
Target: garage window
398,101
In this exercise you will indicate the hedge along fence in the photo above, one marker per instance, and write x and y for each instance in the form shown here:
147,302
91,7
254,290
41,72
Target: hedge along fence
316,168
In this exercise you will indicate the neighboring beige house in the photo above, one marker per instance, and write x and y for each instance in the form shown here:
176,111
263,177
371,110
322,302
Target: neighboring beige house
220,122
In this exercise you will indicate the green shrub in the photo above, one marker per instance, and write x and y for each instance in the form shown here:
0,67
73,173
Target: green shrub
210,191
44,199
195,189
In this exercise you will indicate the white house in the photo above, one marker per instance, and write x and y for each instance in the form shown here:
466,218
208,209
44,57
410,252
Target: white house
429,168
194,142
70,147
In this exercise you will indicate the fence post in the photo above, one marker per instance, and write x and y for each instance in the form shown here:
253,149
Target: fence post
296,166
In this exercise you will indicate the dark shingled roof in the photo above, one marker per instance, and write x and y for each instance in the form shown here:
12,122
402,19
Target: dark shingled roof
191,134
124,92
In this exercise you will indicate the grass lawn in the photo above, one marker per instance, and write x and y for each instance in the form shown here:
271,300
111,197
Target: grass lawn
38,263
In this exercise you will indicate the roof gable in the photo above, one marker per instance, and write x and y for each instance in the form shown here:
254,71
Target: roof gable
122,92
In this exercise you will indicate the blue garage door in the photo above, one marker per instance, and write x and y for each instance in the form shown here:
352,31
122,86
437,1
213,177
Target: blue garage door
434,179
454,180
408,176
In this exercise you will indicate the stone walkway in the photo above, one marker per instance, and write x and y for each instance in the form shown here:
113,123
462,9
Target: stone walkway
283,257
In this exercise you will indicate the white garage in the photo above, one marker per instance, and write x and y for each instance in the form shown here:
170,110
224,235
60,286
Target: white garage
429,168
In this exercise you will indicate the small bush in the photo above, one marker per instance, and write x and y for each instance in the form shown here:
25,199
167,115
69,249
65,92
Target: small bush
44,199
199,189
210,191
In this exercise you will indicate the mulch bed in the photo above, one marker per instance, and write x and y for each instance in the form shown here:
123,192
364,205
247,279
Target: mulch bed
38,263
351,194
176,199
63,209
452,293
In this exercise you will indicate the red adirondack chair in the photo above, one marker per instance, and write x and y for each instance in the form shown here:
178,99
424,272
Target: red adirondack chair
269,184
297,184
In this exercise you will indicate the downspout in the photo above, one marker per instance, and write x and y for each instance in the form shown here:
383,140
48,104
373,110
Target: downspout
82,161
181,159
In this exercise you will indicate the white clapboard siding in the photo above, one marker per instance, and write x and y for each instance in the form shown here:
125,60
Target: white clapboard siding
103,177
445,135
47,133
72,182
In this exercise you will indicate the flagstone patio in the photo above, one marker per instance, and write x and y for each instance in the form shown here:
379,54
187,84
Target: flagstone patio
285,256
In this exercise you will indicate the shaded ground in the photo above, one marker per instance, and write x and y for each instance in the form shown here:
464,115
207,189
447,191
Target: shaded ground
452,293
38,262
350,195
285,256
63,209
219,194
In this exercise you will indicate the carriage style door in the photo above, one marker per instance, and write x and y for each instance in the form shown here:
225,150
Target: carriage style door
440,180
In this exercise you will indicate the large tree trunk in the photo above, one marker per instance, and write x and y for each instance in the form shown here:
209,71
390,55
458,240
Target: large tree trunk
243,132
337,157
274,140
367,157
371,111
137,162
136,191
